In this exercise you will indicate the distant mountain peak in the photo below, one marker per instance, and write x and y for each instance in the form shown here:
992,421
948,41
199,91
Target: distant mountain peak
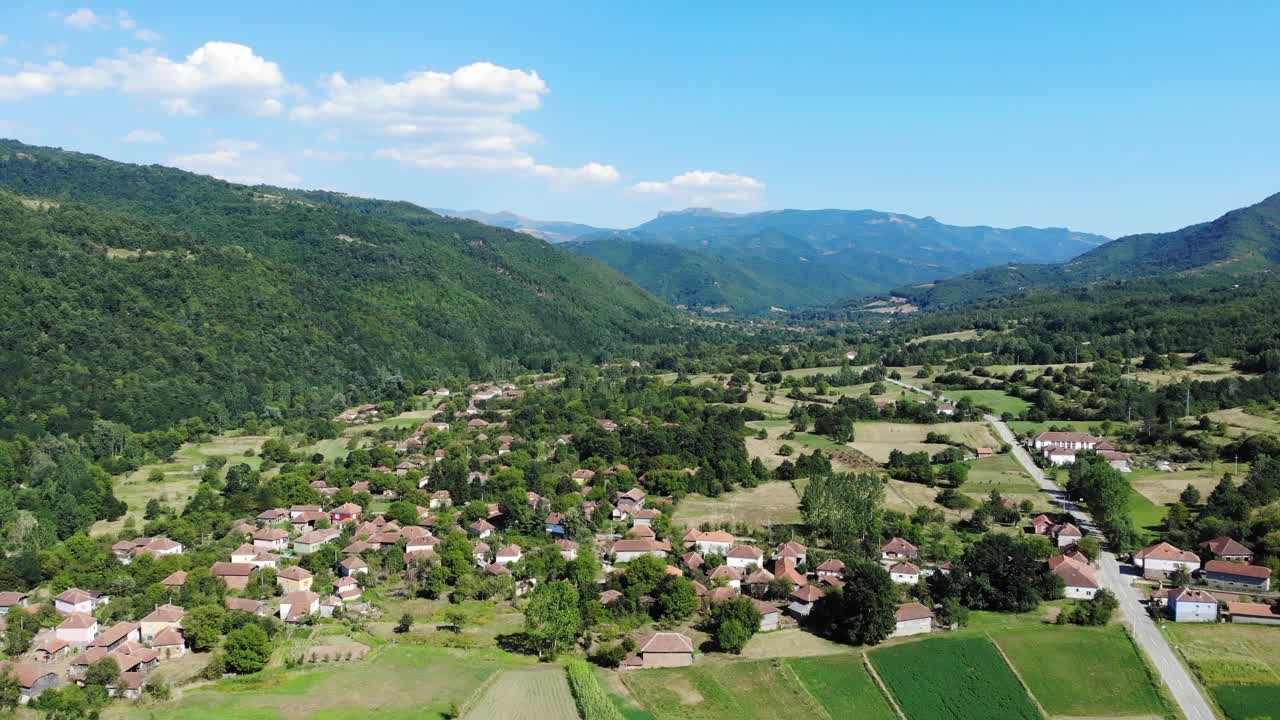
699,212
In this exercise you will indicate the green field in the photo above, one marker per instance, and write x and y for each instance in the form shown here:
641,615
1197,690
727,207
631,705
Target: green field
722,690
843,686
996,400
540,693
1239,664
399,683
958,678
769,503
1082,672
1146,515
1002,473
1163,488
1243,422
1026,427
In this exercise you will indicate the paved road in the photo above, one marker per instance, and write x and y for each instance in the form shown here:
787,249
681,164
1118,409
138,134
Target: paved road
1183,688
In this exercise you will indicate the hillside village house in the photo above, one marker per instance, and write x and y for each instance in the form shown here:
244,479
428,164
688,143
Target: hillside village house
481,528
294,579
1188,605
568,549
744,557
234,575
912,619
716,542
247,605
1066,441
296,606
254,556
1226,575
793,551
175,580
663,649
1225,548
159,620
32,680
727,574
629,502
346,512
1253,613
831,569
77,629
803,600
10,600
508,555
75,600
770,615
117,635
310,542
271,540
1162,559
898,550
628,550
353,566
1078,578
904,573
126,550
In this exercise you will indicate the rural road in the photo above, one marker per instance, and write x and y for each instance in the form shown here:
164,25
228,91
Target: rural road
1148,636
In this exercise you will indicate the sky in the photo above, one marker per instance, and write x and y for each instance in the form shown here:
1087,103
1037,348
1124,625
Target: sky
1109,117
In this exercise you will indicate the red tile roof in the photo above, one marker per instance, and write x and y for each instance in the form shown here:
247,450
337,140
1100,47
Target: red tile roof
1240,569
912,611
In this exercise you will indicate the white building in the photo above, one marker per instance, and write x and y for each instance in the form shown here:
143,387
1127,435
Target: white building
912,619
1162,559
1187,605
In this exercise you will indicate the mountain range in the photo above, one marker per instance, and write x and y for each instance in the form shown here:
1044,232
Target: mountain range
145,295
553,231
751,263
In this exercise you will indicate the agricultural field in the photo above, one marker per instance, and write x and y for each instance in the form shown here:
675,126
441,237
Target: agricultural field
180,477
1163,488
1241,422
722,690
1204,372
770,503
997,400
877,439
843,686
1027,427
538,693
1238,664
398,683
957,335
791,642
1002,473
1103,660
958,678
1147,516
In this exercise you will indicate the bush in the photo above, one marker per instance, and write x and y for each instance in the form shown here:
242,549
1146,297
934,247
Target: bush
593,702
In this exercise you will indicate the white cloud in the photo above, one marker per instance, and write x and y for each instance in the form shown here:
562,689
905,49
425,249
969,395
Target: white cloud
148,36
216,75
702,187
592,173
4,39
124,21
55,49
84,19
241,161
144,136
325,155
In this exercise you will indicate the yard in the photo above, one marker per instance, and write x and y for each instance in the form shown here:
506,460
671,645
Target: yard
958,678
399,683
538,693
722,690
1083,672
1239,664
1002,473
769,503
1147,516
843,686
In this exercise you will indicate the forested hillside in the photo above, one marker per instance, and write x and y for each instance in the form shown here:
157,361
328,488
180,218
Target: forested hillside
790,258
1238,243
147,294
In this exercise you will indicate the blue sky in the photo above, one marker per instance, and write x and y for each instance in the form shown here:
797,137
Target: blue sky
1105,117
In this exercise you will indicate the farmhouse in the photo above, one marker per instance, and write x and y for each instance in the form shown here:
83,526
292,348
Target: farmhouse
831,569
1162,559
234,575
77,629
51,650
1187,605
271,539
793,551
743,557
770,615
346,512
481,528
117,635
1255,613
727,574
1226,575
628,550
904,573
126,550
1078,578
568,549
508,555
352,566
296,606
664,649
716,542
803,600
77,600
1224,548
169,643
32,680
10,600
248,605
912,619
159,620
308,543
1066,440
294,579
897,550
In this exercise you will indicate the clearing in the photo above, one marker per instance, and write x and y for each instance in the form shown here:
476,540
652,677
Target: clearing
957,335
717,689
791,642
959,678
996,400
843,686
398,683
766,504
878,439
1163,488
1083,672
1239,664
539,693
1244,422
1194,373
1000,472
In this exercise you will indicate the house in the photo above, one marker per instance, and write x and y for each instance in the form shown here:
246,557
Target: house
641,531
716,542
609,597
727,574
270,517
629,502
310,542
346,512
664,649
1066,534
645,517
440,499
803,600
32,680
77,629
1224,548
758,581
298,511
607,425
126,550
628,550
307,520
554,524
1226,575
481,554
127,686
1042,525
693,560
785,569
234,575
481,528
52,650
1254,613
296,606
721,594
898,550
1188,605
568,549
743,557
1066,440
248,605
169,643
160,619
118,634
1162,559
912,619
75,600
508,555
792,550
904,573
984,453
352,566
329,606
271,539
10,600
1078,578
832,568
347,589
496,569
770,615
294,579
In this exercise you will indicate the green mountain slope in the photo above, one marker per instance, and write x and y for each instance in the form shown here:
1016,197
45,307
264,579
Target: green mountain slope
147,294
801,257
1240,242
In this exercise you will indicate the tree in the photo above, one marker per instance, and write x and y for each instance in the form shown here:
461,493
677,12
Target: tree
203,626
1097,610
1090,547
676,598
844,507
553,620
863,612
103,673
734,622
998,572
248,649
1190,496
10,692
405,624
1180,578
